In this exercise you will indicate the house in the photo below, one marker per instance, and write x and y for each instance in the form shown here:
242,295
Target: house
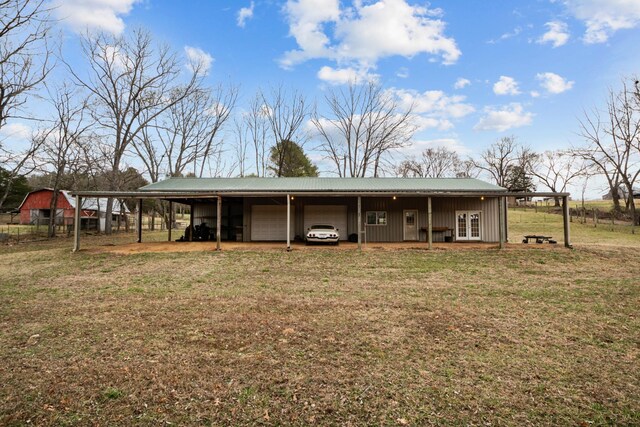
35,209
622,193
392,209
363,209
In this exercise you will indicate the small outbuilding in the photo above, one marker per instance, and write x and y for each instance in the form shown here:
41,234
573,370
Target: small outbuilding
35,209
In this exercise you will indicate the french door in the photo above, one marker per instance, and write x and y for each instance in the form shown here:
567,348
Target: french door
468,225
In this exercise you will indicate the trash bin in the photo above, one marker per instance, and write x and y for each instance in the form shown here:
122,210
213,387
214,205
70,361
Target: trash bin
448,239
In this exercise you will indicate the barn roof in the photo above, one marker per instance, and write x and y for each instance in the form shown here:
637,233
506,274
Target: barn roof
88,203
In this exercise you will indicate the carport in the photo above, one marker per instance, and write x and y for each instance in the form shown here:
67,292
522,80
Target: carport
280,206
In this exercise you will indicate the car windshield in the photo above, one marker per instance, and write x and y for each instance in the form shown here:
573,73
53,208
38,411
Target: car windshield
322,227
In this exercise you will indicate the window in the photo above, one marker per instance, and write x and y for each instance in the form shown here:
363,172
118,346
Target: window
376,218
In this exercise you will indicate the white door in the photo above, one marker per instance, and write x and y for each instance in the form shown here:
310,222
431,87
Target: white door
468,225
269,222
335,215
410,225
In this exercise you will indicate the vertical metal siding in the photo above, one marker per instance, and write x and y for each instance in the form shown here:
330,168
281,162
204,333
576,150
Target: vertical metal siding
444,209
205,212
444,214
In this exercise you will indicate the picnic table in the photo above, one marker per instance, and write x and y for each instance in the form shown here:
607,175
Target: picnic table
538,239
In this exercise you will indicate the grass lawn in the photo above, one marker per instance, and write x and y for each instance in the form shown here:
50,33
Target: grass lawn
531,336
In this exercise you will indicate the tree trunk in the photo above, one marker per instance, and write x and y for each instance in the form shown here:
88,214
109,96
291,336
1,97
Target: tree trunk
615,196
107,216
51,232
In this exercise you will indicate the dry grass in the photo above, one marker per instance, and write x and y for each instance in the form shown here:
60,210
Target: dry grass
474,337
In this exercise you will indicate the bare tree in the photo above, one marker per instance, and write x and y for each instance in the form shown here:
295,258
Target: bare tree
364,126
62,149
240,147
286,114
611,144
131,82
20,162
503,157
467,169
257,125
439,162
557,169
186,134
25,54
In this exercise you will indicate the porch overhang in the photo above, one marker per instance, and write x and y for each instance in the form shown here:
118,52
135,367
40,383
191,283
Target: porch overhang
217,195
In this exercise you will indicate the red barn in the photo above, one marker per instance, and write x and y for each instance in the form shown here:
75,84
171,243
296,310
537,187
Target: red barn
36,210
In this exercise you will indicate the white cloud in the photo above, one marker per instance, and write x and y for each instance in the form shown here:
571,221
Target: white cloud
534,94
557,34
15,131
432,109
366,32
198,59
506,86
245,14
461,83
554,83
434,102
504,118
516,31
341,76
604,17
103,15
418,146
403,73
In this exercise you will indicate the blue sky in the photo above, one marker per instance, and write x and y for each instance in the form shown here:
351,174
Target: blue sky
476,70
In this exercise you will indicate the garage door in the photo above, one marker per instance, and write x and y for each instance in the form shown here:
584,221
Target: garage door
269,222
335,215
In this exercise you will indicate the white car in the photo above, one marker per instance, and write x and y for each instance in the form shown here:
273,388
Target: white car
322,233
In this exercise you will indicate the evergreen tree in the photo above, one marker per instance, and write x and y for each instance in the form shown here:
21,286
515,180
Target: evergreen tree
287,159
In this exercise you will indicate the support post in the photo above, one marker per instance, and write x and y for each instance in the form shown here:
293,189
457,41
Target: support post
219,223
139,225
76,225
288,223
506,220
191,228
501,221
359,223
170,220
429,223
565,220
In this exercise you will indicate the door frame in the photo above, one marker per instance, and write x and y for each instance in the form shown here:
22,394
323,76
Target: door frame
468,225
404,225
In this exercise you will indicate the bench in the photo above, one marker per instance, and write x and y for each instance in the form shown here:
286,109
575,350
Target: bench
448,232
538,239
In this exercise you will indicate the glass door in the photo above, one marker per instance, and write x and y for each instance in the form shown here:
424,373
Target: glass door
461,226
411,225
468,225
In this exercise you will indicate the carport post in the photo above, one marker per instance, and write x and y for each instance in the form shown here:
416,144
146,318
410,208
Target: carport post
565,218
506,220
360,222
288,223
218,223
139,225
76,225
429,223
170,220
191,216
501,223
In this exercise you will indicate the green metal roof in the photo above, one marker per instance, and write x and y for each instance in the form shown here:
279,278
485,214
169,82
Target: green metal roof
321,185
